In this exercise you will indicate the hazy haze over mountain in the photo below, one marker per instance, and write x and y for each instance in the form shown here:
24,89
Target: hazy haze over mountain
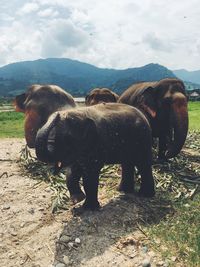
191,76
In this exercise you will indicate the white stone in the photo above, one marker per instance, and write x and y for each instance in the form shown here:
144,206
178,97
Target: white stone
66,259
77,240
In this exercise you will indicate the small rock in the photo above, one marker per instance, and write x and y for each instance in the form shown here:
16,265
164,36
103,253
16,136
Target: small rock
71,245
77,240
31,211
41,209
146,263
60,265
66,259
144,249
173,258
166,264
11,255
6,207
133,255
65,239
14,233
151,254
48,190
160,263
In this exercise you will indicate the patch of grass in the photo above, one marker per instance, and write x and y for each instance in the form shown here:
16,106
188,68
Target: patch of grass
11,124
194,115
179,234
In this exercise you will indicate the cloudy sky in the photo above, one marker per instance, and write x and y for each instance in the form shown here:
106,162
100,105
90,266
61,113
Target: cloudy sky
107,33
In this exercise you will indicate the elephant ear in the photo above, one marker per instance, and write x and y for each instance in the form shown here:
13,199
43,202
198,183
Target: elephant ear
147,101
81,130
19,102
87,98
116,97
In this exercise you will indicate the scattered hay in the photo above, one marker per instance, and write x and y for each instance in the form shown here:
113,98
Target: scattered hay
44,173
179,177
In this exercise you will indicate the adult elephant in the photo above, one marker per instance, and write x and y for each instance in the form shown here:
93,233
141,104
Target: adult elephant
99,95
38,103
165,105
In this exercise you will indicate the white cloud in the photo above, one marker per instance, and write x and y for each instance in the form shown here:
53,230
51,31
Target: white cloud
60,36
108,33
28,8
48,13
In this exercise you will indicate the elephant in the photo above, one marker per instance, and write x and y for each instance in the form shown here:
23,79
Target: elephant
99,95
164,103
86,138
38,102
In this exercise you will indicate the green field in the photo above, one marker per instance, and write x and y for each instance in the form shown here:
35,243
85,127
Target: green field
12,123
194,115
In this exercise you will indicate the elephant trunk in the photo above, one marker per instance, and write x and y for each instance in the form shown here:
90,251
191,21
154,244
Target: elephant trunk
179,123
45,141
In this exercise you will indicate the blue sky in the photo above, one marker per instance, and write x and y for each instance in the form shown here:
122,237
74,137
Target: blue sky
106,33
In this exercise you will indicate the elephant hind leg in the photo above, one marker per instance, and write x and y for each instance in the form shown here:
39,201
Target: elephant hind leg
127,182
147,181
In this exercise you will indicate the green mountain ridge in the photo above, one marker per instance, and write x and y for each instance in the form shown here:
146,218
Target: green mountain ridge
74,76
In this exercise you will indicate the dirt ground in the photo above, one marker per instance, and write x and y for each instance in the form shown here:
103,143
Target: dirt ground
31,236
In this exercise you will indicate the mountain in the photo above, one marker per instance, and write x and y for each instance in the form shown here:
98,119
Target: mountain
190,76
189,86
74,76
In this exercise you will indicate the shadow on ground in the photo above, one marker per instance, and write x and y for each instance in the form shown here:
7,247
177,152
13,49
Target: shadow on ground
104,234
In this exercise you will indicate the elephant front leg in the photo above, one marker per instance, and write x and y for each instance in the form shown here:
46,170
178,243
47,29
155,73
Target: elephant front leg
73,183
127,182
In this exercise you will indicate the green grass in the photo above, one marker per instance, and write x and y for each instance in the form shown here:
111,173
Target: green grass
179,234
11,124
194,115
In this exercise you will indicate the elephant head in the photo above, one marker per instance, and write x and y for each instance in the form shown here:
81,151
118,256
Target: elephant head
172,109
165,105
38,103
64,137
99,95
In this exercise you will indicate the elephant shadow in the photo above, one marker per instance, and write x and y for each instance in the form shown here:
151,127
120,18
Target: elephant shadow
101,232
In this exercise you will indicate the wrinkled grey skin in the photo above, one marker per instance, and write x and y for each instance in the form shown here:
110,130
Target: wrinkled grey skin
164,103
90,137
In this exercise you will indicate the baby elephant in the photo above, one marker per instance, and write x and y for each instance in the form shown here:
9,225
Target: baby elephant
99,95
90,137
